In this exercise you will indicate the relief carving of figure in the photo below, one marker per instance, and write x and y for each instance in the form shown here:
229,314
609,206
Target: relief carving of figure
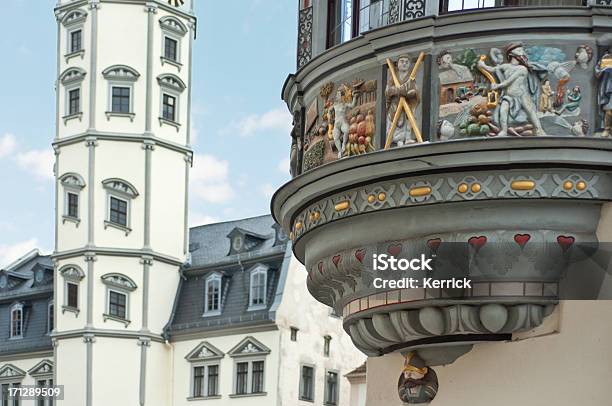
546,97
573,101
344,102
603,72
403,134
296,144
417,383
517,103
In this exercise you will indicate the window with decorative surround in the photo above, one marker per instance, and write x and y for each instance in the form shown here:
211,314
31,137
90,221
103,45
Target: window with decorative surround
121,81
212,295
204,362
16,326
74,22
72,184
73,275
71,80
249,367
173,30
118,289
171,87
11,378
258,287
43,376
120,195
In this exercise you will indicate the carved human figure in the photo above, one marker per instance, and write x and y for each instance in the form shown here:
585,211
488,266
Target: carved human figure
517,102
603,72
583,56
342,104
546,97
417,383
573,101
451,72
408,89
296,144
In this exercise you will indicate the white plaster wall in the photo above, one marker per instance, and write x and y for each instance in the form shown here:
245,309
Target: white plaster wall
168,202
182,371
66,321
72,158
26,364
159,375
163,284
124,160
71,367
299,309
572,367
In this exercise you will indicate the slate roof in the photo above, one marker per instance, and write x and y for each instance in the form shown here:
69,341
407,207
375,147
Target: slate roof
19,284
210,248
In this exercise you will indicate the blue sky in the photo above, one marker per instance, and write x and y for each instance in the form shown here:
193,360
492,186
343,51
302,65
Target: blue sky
242,56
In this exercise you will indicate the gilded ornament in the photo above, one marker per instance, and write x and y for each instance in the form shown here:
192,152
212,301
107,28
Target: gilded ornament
522,185
462,188
581,185
476,188
568,185
420,191
342,205
382,196
371,199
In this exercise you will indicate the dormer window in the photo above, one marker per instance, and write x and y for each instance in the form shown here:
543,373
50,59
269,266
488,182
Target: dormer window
258,288
212,295
16,321
242,240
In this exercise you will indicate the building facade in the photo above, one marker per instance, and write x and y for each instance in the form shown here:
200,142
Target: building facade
476,135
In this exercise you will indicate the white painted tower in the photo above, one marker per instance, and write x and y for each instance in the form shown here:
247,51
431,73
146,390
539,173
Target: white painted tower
122,164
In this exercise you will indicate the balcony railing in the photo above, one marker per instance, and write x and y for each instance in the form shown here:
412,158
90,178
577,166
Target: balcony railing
450,6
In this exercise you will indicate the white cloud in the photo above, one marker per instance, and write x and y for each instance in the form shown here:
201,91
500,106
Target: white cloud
8,143
210,179
38,162
267,190
200,219
12,252
277,119
283,166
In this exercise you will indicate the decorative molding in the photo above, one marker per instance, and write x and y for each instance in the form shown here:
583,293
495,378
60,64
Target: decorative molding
120,186
119,281
247,347
10,372
72,273
77,16
413,9
121,73
394,11
174,25
43,368
204,351
107,316
172,82
72,75
72,180
304,48
71,55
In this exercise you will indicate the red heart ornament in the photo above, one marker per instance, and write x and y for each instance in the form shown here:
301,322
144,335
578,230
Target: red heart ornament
522,239
336,260
394,249
434,244
565,242
360,254
478,242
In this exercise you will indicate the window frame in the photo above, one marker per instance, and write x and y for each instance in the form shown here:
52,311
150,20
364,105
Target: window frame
293,333
336,399
74,21
125,77
72,274
50,316
204,355
174,107
72,183
172,28
76,286
170,85
112,98
177,42
71,32
124,191
120,292
302,383
120,284
16,307
214,278
327,345
256,272
249,376
72,79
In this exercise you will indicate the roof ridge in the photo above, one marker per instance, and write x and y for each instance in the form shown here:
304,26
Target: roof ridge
230,221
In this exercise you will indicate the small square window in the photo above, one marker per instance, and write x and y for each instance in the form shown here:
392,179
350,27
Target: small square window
74,102
169,108
294,332
118,211
73,295
170,49
73,205
120,100
76,41
117,304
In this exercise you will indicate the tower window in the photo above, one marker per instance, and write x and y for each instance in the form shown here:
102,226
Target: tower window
326,345
117,304
212,292
73,205
72,295
169,107
307,383
118,211
170,49
74,101
76,41
121,100
294,332
331,388
257,299
17,321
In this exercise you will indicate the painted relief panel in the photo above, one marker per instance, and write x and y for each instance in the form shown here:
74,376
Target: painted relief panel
341,120
515,89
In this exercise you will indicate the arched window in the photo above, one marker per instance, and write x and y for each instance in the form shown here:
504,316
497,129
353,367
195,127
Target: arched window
72,79
121,80
172,32
17,321
73,275
72,183
74,22
118,288
120,194
212,295
258,288
171,87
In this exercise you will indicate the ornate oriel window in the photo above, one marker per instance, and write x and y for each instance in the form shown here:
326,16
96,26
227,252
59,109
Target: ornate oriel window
258,288
72,184
121,80
205,363
173,30
118,288
120,195
74,22
212,295
249,367
73,275
171,88
72,79
16,327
